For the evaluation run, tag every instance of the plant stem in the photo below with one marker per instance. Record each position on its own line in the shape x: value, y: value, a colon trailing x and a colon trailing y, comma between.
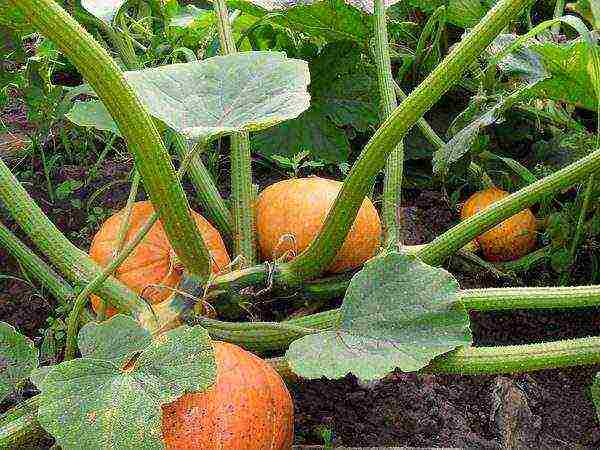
x: 503, y: 359
x: 151, y: 157
x: 36, y: 267
x: 314, y: 260
x: 258, y: 338
x: 75, y: 264
x: 207, y: 192
x: 459, y: 235
x: 84, y: 295
x: 429, y: 133
x: 582, y: 215
x: 241, y: 170
x: 122, y: 233
x: 392, y: 184
x: 19, y: 426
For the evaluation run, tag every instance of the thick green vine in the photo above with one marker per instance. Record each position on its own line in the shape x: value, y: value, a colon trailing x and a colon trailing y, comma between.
x: 323, y: 249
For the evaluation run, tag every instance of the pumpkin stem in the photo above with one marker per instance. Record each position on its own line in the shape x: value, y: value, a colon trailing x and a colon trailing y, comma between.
x: 144, y: 142
x: 323, y: 249
x: 392, y: 184
x: 242, y: 192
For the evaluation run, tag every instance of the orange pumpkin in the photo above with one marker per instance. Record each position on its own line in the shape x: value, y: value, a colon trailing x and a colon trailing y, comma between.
x: 248, y: 408
x: 290, y: 213
x: 509, y: 240
x: 151, y: 264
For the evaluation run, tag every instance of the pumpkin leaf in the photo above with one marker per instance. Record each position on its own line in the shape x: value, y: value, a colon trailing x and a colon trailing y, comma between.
x: 462, y: 13
x: 397, y: 313
x: 343, y: 93
x: 115, y: 339
x: 98, y: 403
x: 38, y: 375
x: 188, y: 15
x: 332, y: 20
x: 105, y: 10
x: 92, y: 114
x: 18, y: 357
x: 312, y: 131
x: 241, y: 92
x: 564, y: 67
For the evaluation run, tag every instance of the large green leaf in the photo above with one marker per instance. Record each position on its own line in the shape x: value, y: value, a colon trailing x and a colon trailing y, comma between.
x: 13, y: 18
x: 98, y: 403
x: 93, y: 114
x: 343, y: 93
x: 332, y: 20
x: 242, y: 92
x: 312, y: 131
x: 115, y: 339
x: 569, y: 80
x: 18, y: 357
x: 245, y: 91
x: 398, y: 313
x: 462, y: 13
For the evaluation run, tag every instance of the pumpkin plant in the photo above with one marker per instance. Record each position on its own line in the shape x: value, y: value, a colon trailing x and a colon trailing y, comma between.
x: 137, y: 385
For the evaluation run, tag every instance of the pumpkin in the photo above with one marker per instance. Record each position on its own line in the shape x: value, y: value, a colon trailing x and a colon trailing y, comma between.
x: 248, y: 408
x: 151, y: 264
x: 290, y: 214
x: 509, y: 240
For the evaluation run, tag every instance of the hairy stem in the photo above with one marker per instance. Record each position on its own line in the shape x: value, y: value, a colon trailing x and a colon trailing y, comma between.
x: 75, y: 264
x: 458, y: 236
x: 36, y: 267
x: 151, y: 157
x: 392, y: 185
x: 207, y: 192
x: 582, y: 215
x: 242, y: 195
x: 314, y: 260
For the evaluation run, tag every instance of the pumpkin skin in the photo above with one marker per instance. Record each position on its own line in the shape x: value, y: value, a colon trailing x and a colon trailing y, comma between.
x: 151, y: 263
x: 298, y: 207
x: 509, y: 240
x: 248, y: 408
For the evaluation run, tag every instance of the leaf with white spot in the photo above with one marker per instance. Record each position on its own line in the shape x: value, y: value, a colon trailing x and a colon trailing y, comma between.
x: 18, y: 357
x: 94, y: 403
x: 241, y: 92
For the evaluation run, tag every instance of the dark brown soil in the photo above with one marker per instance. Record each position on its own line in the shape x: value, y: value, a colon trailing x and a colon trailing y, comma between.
x: 403, y: 409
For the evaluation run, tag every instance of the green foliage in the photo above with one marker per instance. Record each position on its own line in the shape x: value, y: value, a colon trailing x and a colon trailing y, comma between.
x: 462, y: 13
x: 112, y: 396
x: 343, y: 94
x: 93, y: 114
x: 397, y: 313
x: 331, y: 20
x: 18, y: 357
x: 220, y: 95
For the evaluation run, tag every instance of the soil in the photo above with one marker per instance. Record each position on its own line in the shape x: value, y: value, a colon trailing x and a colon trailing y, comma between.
x: 404, y: 409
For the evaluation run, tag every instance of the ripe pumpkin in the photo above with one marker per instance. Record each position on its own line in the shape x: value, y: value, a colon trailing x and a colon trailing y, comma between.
x: 152, y: 261
x: 290, y: 213
x: 248, y: 408
x: 509, y: 240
